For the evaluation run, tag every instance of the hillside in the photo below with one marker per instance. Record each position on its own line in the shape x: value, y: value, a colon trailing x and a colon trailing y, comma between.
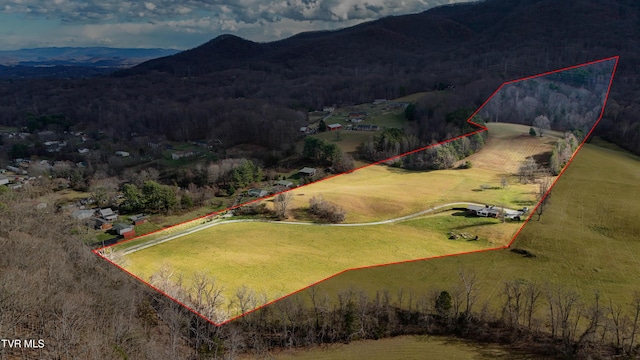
x: 471, y: 48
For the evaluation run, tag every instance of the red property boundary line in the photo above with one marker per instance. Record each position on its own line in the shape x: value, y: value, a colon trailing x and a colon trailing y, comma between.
x: 481, y: 129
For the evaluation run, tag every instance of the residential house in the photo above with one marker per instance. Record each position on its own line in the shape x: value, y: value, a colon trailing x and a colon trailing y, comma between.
x: 122, y: 153
x: 484, y: 211
x: 182, y: 154
x: 4, y: 180
x: 107, y: 214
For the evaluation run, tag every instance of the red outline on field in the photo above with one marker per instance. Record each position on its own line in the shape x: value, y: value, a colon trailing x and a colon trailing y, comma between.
x: 481, y: 129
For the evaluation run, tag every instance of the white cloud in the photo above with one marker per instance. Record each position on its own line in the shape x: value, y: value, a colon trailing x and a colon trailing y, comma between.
x: 186, y: 23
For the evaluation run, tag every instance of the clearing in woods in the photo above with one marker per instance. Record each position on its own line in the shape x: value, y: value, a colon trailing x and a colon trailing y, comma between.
x: 275, y: 259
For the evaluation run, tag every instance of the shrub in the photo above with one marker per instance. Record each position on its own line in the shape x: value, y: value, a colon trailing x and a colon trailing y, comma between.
x: 252, y: 209
x: 326, y: 211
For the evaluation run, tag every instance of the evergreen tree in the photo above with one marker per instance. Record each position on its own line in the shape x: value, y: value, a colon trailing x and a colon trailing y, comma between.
x: 322, y: 126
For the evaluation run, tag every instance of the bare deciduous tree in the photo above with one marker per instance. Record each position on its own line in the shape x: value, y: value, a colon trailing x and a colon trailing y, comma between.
x: 281, y: 204
x: 543, y: 194
x: 542, y: 123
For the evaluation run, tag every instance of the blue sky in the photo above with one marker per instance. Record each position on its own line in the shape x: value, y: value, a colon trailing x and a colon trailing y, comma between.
x: 181, y: 24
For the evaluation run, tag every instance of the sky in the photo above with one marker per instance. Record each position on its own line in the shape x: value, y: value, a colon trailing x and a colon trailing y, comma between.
x: 181, y: 24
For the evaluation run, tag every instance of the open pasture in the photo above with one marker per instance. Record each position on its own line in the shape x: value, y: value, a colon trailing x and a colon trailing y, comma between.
x: 276, y: 259
x: 381, y: 192
x: 588, y: 240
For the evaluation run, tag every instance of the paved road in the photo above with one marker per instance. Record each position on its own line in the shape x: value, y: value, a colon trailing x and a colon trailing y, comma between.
x: 217, y: 222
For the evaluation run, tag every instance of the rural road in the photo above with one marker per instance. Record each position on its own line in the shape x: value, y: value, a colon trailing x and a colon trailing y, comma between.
x: 223, y: 222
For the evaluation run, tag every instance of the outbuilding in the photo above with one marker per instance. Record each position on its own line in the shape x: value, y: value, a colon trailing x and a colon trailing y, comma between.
x: 284, y: 183
x: 138, y: 219
x: 307, y: 171
x: 257, y: 193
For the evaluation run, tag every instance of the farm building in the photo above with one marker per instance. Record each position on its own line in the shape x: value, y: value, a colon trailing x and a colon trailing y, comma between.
x: 122, y: 153
x: 284, y: 183
x: 307, y: 171
x: 334, y: 127
x: 102, y: 224
x: 125, y: 230
x: 138, y: 219
x: 359, y: 114
x: 257, y: 193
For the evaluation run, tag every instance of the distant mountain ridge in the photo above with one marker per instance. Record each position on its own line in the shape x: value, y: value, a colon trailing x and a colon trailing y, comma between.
x: 81, y: 56
x: 469, y: 47
x: 455, y: 32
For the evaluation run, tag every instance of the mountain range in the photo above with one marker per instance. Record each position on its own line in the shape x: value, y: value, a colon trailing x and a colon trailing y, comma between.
x: 81, y: 56
x: 473, y: 46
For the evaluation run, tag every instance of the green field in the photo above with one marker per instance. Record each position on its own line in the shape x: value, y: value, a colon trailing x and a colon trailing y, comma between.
x: 381, y: 192
x: 403, y: 347
x: 588, y: 240
x: 276, y: 259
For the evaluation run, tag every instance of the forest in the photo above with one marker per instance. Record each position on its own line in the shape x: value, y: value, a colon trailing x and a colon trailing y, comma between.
x: 240, y: 92
x: 260, y: 93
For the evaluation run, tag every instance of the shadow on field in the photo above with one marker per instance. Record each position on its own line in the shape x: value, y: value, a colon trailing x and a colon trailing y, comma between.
x: 489, y: 351
x: 484, y: 223
x: 462, y: 213
x: 524, y: 202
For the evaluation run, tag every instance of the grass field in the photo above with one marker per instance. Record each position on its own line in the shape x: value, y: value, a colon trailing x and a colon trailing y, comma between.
x: 403, y: 347
x: 277, y: 259
x: 381, y: 192
x: 299, y: 255
x: 588, y: 240
x: 347, y: 140
x: 499, y: 153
